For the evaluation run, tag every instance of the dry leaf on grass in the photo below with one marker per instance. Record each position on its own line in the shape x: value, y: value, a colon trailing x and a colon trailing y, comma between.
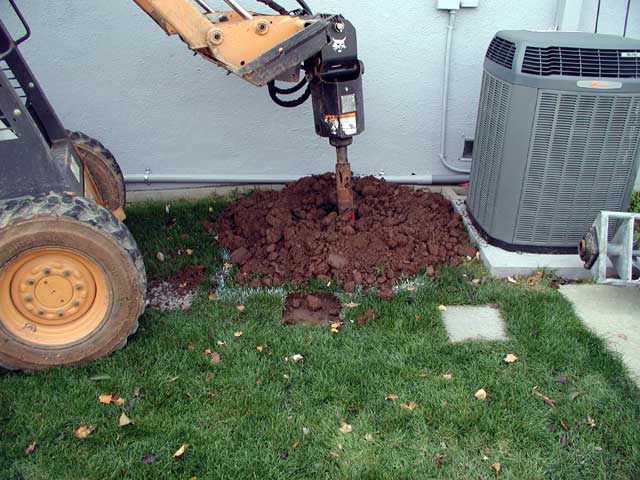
x: 510, y: 358
x: 220, y: 343
x: 447, y: 376
x: 345, y: 427
x: 535, y: 279
x: 336, y: 326
x: 123, y: 421
x: 295, y: 358
x: 180, y: 452
x: 295, y: 444
x: 334, y: 454
x: 111, y: 398
x: 549, y: 401
x: 227, y: 266
x: 564, y: 440
x: 160, y: 257
x: 238, y: 334
x: 213, y: 297
x: 496, y: 467
x: 439, y: 459
x: 391, y: 398
x: 481, y: 394
x: 241, y: 308
x: 31, y: 448
x: 260, y: 348
x: 215, y: 358
x: 512, y: 280
x: 411, y: 406
x: 590, y: 421
x: 84, y: 431
x: 442, y: 308
x: 352, y: 305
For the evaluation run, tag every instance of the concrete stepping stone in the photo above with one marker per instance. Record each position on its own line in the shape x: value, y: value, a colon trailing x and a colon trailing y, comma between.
x: 465, y: 323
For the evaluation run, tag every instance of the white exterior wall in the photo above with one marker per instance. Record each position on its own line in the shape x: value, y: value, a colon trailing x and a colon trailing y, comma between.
x: 111, y: 72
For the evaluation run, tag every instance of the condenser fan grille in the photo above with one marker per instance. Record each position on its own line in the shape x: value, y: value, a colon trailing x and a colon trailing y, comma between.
x: 581, y: 62
x: 502, y: 51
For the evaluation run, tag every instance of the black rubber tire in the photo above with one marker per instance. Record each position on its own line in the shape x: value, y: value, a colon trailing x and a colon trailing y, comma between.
x: 74, y: 223
x: 103, y: 168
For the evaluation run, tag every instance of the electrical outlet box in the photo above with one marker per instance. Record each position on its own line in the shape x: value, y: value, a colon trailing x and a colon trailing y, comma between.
x: 448, y: 4
x: 469, y: 3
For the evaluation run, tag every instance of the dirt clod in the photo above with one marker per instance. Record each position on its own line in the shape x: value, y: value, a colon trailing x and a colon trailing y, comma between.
x: 319, y: 309
x: 295, y: 235
x: 368, y: 316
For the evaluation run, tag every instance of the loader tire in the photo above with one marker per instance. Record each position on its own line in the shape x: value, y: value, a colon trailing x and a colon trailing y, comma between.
x: 103, y: 169
x: 72, y: 282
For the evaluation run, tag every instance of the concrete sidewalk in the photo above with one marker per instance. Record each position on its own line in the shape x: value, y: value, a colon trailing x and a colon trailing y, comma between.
x: 614, y: 314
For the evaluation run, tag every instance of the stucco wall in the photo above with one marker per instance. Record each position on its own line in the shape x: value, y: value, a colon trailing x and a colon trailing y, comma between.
x: 111, y: 72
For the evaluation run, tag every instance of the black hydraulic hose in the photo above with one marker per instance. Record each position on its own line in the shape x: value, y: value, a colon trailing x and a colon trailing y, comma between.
x: 288, y: 103
x: 274, y: 6
x: 305, y: 7
x: 289, y: 91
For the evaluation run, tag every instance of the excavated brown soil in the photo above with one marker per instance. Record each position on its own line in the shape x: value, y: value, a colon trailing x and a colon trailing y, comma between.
x: 296, y: 234
x: 318, y: 309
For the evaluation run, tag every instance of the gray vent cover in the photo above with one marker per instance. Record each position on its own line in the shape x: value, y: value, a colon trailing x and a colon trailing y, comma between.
x: 552, y: 150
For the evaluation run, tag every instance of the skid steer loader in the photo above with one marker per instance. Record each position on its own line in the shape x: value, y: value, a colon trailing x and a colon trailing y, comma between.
x: 72, y: 279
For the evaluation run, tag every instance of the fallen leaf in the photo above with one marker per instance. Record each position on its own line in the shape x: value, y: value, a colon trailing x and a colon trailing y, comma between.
x: 305, y: 431
x: 149, y: 458
x: 476, y: 281
x: 336, y: 326
x: 590, y: 421
x: 443, y: 445
x: 496, y: 467
x: 180, y: 452
x: 190, y: 347
x: 598, y: 449
x: 260, y: 348
x: 512, y: 280
x: 295, y: 358
x: 334, y: 454
x: 31, y: 448
x: 564, y: 440
x: 545, y: 399
x: 564, y: 426
x: 442, y: 308
x: 183, y: 285
x: 439, y: 459
x: 345, y: 427
x: 535, y: 279
x: 160, y: 257
x: 411, y: 406
x: 352, y: 305
x: 447, y: 376
x: 136, y: 392
x: 481, y: 394
x: 575, y: 395
x: 123, y: 421
x: 213, y: 297
x: 241, y: 308
x: 510, y: 358
x: 238, y: 334
x: 391, y: 398
x: 188, y: 251
x: 228, y: 266
x: 220, y: 343
x: 368, y: 437
x: 84, y: 431
x: 295, y: 444
x: 215, y: 358
x: 211, y: 394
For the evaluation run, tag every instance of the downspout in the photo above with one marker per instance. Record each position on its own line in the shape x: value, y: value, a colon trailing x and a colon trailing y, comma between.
x: 445, y: 97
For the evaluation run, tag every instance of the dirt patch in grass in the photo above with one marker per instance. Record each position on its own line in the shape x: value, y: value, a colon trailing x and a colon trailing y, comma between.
x: 296, y: 235
x: 316, y: 309
x: 178, y: 291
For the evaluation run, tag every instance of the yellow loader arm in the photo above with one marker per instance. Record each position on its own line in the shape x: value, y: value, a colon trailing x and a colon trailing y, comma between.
x: 264, y: 48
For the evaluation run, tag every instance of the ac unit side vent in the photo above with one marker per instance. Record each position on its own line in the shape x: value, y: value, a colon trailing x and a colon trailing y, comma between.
x: 581, y: 62
x: 580, y: 159
x: 488, y: 147
x: 502, y: 51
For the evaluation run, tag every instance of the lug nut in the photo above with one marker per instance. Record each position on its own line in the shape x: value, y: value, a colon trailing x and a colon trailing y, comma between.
x: 40, y: 312
x: 76, y: 303
x: 47, y: 271
x: 60, y: 313
x: 79, y: 286
x: 66, y: 273
x: 31, y: 282
x: 28, y: 298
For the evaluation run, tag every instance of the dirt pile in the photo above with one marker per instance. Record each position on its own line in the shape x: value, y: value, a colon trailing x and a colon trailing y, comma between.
x: 296, y: 234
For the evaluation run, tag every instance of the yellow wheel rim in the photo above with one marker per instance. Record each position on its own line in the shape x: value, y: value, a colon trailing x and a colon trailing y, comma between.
x: 53, y: 297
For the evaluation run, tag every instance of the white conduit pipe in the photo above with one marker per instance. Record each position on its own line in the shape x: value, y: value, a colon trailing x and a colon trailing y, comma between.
x: 149, y: 178
x: 445, y: 97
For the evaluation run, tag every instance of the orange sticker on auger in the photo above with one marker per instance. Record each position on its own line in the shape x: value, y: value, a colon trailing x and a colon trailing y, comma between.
x: 348, y: 123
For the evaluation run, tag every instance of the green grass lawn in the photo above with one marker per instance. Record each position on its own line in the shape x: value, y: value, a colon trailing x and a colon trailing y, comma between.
x: 254, y: 415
